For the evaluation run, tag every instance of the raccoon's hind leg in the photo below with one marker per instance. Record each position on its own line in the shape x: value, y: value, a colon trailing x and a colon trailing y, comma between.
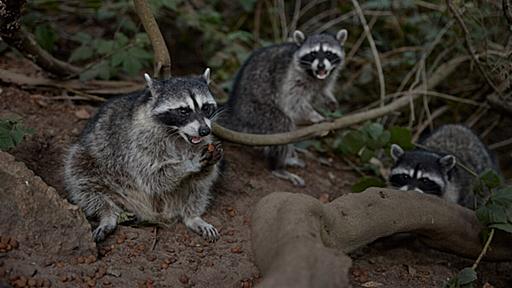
x: 293, y: 159
x: 278, y: 157
x: 86, y: 188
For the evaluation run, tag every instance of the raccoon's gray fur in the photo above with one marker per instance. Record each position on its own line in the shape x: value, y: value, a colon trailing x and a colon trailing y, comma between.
x: 433, y: 170
x: 148, y: 154
x: 277, y: 88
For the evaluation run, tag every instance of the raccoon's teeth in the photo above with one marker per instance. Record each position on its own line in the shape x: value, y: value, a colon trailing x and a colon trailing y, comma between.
x: 321, y: 74
x: 195, y: 139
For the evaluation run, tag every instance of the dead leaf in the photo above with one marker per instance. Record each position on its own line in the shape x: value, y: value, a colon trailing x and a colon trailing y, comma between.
x: 371, y: 284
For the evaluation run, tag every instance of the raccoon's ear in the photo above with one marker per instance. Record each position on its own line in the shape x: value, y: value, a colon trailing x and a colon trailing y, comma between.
x: 149, y: 81
x: 298, y: 37
x: 341, y: 36
x: 206, y: 75
x: 448, y: 162
x: 396, y: 152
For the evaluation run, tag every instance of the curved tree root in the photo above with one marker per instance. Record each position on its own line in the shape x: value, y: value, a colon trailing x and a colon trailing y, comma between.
x: 298, y: 241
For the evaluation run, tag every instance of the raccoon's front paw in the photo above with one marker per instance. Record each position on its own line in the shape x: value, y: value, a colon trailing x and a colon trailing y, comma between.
x: 203, y: 228
x: 101, y: 232
x: 316, y: 118
x: 212, y: 154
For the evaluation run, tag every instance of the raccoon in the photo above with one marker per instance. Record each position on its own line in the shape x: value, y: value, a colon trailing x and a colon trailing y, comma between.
x: 277, y: 88
x: 434, y: 171
x: 150, y: 153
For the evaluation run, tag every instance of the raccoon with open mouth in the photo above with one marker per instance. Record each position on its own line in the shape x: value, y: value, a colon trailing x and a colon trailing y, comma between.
x: 151, y: 154
x: 278, y: 87
x: 433, y: 170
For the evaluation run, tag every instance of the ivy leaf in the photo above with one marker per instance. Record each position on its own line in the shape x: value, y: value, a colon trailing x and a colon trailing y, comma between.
x: 367, y: 154
x: 401, y: 136
x: 367, y: 182
x: 248, y: 5
x: 490, y: 178
x: 466, y: 276
x: 81, y: 53
x: 104, y: 47
x: 82, y: 37
x: 354, y: 141
x: 45, y: 37
x: 507, y: 227
x: 374, y: 130
x: 503, y: 197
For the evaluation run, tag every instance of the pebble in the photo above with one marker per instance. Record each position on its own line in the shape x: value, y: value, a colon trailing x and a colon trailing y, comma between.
x: 236, y: 250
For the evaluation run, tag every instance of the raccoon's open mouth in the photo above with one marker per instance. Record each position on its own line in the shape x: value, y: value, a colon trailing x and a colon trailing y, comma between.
x: 194, y: 139
x: 321, y: 73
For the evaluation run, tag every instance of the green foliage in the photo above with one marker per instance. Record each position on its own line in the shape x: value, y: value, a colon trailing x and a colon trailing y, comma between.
x: 495, y: 214
x: 367, y: 143
x: 497, y: 211
x: 12, y: 132
x: 464, y: 279
x: 120, y: 55
x: 367, y: 182
x: 46, y: 37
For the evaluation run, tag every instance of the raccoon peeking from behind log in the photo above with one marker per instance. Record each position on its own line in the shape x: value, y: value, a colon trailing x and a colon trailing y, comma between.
x: 434, y: 170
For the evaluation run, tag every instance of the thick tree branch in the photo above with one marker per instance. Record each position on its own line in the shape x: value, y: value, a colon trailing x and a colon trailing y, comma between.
x: 437, y: 77
x: 15, y: 36
x: 297, y: 240
x: 162, y: 56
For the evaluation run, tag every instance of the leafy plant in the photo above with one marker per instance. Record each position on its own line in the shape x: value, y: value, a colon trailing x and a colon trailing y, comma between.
x: 369, y: 142
x: 494, y: 214
x: 12, y: 132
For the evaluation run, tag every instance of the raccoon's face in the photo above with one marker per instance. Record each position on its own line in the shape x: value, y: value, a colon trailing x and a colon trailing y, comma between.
x: 421, y: 171
x: 320, y: 54
x: 185, y: 105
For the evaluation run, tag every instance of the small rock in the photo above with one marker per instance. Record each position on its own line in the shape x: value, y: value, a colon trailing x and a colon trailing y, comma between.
x: 151, y: 258
x: 184, y: 279
x: 112, y: 272
x: 82, y: 114
x: 324, y: 198
x: 370, y: 284
x: 236, y: 250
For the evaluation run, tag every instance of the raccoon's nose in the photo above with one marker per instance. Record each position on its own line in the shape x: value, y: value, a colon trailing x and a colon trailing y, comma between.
x: 320, y: 66
x: 203, y: 131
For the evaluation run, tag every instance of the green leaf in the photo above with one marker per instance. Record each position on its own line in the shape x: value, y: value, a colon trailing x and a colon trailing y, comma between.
x: 503, y: 197
x: 248, y: 5
x: 482, y: 214
x: 497, y: 214
x: 467, y: 276
x: 45, y: 37
x: 374, y: 130
x: 367, y: 182
x: 82, y: 37
x: 490, y: 178
x: 104, y: 47
x: 354, y: 141
x: 81, y: 53
x: 401, y: 136
x: 5, y: 142
x: 507, y: 227
x: 132, y: 65
x: 367, y: 154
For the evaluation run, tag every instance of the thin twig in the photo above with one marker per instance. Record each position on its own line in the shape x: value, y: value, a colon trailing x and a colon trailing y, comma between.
x: 501, y: 144
x: 155, y: 238
x: 359, y: 41
x: 469, y: 45
x: 296, y: 16
x: 440, y: 111
x: 484, y: 250
x: 373, y: 47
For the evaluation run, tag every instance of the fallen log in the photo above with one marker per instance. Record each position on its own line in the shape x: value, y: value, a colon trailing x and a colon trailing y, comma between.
x: 297, y: 240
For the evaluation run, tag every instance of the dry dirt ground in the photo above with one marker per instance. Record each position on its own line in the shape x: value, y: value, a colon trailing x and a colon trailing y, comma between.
x: 175, y: 257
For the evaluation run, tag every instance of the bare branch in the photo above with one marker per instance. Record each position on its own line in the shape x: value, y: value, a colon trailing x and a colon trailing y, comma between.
x: 375, y: 52
x: 15, y: 36
x: 162, y: 56
x: 307, y: 132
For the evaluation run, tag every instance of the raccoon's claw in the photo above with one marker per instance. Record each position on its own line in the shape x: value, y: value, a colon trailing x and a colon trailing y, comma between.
x: 101, y: 232
x: 107, y: 226
x: 203, y: 228
x: 295, y: 179
x: 212, y: 155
